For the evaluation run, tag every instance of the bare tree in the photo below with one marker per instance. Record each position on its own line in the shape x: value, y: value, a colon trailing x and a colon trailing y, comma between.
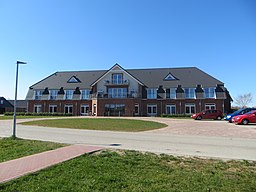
x: 243, y: 100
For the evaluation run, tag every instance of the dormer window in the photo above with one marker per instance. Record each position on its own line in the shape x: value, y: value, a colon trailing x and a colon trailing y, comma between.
x: 38, y: 94
x: 117, y: 78
x: 151, y: 93
x: 69, y: 94
x: 74, y: 79
x: 209, y: 92
x: 190, y: 93
x: 169, y: 77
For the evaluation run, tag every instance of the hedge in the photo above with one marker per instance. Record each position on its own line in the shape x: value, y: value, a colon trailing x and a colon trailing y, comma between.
x: 37, y: 114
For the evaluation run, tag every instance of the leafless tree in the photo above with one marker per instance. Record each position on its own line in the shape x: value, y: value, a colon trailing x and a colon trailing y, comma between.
x: 243, y: 100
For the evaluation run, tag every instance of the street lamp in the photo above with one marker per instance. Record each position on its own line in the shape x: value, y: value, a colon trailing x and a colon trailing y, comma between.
x: 15, y: 100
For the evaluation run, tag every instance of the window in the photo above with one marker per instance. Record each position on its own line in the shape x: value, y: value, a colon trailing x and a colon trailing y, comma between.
x: 169, y: 77
x: 2, y: 102
x: 190, y: 93
x: 53, y: 94
x: 117, y: 92
x: 210, y: 106
x: 68, y: 109
x: 114, y: 109
x: 170, y: 109
x: 171, y: 93
x: 85, y: 94
x: 74, y: 80
x: 152, y: 110
x: 69, y: 94
x: 151, y: 93
x: 38, y: 94
x: 190, y: 108
x: 52, y: 108
x: 209, y: 92
x: 117, y: 78
x: 37, y: 108
x: 84, y: 109
x: 136, y: 109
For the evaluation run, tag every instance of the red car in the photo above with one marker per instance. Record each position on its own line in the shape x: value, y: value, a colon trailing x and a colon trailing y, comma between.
x: 208, y: 114
x: 246, y: 118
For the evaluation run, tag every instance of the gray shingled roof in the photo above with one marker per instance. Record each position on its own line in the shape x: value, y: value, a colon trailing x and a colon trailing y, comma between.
x: 187, y: 77
x: 60, y: 79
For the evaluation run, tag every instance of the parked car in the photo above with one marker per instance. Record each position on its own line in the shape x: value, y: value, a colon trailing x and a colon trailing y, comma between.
x: 244, y: 119
x: 208, y: 114
x: 238, y: 112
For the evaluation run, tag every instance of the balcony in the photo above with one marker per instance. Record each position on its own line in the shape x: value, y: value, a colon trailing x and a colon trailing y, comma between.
x: 116, y: 83
x: 108, y: 96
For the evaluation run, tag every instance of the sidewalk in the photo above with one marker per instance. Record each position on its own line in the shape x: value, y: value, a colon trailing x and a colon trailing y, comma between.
x: 16, y: 168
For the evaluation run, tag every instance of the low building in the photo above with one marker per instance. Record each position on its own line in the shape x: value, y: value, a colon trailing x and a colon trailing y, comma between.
x: 129, y: 92
x: 5, y: 106
x: 21, y: 105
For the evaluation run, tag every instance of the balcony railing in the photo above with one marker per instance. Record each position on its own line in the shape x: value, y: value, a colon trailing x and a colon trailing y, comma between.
x: 109, y: 96
x: 111, y: 82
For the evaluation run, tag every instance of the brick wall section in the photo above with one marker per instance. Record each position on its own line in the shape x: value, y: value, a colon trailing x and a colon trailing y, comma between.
x: 129, y: 105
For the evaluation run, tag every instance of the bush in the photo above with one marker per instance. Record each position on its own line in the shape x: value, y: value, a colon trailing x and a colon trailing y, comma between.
x: 37, y: 114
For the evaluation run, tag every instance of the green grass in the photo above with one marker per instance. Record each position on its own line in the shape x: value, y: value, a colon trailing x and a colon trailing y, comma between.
x: 109, y: 124
x: 25, y: 117
x: 132, y: 171
x: 16, y: 148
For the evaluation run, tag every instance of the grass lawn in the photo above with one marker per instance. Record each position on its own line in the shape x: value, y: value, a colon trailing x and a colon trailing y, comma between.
x: 134, y: 171
x: 25, y: 117
x: 110, y: 124
x: 16, y: 148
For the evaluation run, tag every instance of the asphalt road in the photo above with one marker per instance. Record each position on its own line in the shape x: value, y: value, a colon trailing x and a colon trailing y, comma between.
x: 161, y: 141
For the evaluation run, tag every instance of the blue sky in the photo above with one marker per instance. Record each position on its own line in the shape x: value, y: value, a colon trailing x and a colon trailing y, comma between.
x: 217, y: 36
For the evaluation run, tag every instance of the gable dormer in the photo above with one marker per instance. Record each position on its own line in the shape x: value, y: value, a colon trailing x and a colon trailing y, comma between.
x: 74, y: 79
x: 170, y: 77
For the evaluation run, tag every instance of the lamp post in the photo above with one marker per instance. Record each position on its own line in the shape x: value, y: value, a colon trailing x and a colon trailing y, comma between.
x: 15, y: 100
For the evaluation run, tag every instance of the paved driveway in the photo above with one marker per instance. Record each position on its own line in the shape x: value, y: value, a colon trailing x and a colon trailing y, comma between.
x: 217, y: 139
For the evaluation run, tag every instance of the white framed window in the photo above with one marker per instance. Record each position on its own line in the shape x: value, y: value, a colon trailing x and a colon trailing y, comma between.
x: 52, y: 108
x: 37, y: 108
x: 151, y: 93
x: 152, y: 109
x: 117, y: 78
x: 209, y: 92
x: 190, y: 108
x: 85, y: 94
x: 69, y: 94
x: 190, y: 93
x: 2, y: 102
x: 38, y: 94
x: 210, y: 106
x: 85, y: 109
x: 68, y: 109
x: 117, y: 92
x: 172, y: 93
x: 170, y: 109
x: 53, y: 94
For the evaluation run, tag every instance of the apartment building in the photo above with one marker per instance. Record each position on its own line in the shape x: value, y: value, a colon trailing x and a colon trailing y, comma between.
x: 129, y: 92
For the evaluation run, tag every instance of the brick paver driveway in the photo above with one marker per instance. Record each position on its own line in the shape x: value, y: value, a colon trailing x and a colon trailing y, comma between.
x: 205, y: 128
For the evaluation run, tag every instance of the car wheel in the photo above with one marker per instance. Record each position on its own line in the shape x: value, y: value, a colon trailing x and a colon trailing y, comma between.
x: 199, y: 118
x: 219, y: 118
x: 245, y: 122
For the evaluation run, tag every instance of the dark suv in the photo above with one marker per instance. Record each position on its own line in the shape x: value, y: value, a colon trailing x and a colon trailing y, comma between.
x: 208, y: 114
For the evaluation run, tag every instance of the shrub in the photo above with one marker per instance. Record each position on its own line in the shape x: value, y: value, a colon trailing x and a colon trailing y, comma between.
x: 36, y: 114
